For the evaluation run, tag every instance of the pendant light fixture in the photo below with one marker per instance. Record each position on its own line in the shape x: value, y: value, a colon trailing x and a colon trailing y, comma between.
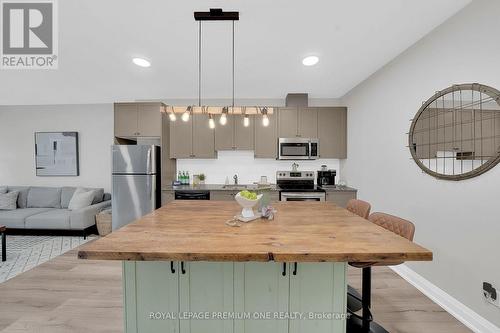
x: 265, y: 118
x: 223, y: 116
x: 187, y: 113
x: 215, y: 14
x: 171, y: 113
x: 211, y: 122
x: 246, y: 120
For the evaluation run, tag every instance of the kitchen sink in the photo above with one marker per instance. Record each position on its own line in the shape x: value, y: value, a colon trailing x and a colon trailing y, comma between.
x: 234, y: 187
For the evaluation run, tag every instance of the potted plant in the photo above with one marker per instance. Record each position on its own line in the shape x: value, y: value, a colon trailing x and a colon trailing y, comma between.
x: 201, y: 176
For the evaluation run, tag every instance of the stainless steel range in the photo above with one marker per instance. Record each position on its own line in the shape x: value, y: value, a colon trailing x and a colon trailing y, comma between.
x: 298, y: 186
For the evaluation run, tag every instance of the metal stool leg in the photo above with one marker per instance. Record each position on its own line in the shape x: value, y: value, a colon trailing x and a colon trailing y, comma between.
x: 4, y: 246
x: 365, y: 323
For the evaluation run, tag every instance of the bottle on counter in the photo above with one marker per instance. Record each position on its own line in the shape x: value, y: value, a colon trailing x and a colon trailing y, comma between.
x: 179, y: 177
x: 188, y: 181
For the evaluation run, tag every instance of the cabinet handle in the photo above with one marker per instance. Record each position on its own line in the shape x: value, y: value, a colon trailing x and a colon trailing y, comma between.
x: 294, y: 269
x: 183, y: 271
x: 172, y: 269
x: 284, y: 269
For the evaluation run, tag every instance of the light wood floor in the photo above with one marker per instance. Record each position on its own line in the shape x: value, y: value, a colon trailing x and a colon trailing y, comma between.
x: 71, y: 295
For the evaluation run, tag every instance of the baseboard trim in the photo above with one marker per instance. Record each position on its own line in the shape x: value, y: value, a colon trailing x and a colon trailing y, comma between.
x: 451, y: 305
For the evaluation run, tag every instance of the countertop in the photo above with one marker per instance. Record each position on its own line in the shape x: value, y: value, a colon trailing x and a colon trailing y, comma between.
x: 251, y: 187
x: 300, y: 232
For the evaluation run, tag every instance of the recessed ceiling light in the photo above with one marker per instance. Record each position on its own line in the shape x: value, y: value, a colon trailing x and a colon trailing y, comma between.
x: 141, y: 62
x: 310, y: 61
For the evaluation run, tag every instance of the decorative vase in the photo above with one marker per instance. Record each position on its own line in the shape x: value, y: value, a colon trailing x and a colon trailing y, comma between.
x: 247, y: 205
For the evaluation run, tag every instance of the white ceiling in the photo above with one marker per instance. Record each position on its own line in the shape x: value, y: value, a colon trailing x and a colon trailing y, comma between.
x: 97, y: 40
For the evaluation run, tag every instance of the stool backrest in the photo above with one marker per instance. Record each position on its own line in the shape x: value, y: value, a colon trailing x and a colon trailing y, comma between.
x: 395, y: 224
x: 359, y: 207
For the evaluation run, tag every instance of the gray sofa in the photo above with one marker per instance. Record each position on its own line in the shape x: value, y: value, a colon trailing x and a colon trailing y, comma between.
x: 46, y: 208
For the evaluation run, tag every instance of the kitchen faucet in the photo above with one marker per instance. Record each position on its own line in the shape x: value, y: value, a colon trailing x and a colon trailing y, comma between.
x: 235, y: 177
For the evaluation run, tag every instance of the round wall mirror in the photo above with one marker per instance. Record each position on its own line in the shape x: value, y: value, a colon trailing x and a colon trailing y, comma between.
x: 456, y: 133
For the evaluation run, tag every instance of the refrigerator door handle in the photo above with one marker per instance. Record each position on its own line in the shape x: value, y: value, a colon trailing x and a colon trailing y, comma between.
x: 152, y: 196
x: 148, y: 162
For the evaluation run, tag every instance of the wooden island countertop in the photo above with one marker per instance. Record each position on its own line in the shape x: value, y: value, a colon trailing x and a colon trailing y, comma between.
x: 300, y: 232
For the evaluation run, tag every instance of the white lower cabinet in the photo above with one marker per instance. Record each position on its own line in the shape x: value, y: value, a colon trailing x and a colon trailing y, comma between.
x: 260, y: 289
x: 151, y: 292
x: 318, y: 290
x: 206, y: 288
x: 164, y: 297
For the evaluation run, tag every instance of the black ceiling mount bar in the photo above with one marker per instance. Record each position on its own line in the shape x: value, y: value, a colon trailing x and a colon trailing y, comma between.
x: 216, y: 14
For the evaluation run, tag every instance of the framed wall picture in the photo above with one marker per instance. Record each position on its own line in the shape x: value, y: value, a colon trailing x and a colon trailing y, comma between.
x: 56, y: 154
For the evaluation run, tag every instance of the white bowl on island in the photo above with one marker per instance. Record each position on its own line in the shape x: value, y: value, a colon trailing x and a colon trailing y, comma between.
x: 247, y: 205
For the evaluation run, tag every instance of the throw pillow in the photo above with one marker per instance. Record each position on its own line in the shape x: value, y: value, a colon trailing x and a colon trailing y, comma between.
x: 81, y: 199
x: 8, y: 201
x: 3, y: 189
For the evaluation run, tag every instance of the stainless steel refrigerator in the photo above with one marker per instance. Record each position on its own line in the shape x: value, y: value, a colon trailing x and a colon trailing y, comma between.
x: 136, y: 182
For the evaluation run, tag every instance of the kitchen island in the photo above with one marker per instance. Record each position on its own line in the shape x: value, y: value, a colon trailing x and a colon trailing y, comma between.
x: 186, y: 270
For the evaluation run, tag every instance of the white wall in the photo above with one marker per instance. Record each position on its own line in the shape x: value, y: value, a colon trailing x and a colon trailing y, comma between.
x: 94, y: 124
x: 458, y: 221
x: 248, y: 168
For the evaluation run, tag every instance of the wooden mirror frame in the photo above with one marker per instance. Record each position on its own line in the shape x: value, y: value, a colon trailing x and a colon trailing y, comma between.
x: 491, y: 92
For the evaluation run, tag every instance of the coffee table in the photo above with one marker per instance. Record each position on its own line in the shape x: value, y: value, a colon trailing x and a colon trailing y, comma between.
x: 3, y: 230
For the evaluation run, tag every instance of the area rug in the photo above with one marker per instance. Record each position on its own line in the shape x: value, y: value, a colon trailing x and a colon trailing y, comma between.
x: 26, y: 252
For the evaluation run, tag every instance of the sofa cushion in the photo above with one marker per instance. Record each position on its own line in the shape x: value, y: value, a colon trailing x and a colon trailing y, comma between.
x: 3, y: 189
x: 81, y: 199
x: 44, y: 197
x: 22, y: 199
x: 8, y: 201
x: 15, y: 218
x: 67, y: 194
x: 52, y: 219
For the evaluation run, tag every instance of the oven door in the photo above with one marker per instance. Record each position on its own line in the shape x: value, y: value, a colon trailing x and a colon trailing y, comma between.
x: 302, y: 196
x: 294, y: 149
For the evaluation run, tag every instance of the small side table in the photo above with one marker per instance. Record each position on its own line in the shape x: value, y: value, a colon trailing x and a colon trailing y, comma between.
x: 3, y: 230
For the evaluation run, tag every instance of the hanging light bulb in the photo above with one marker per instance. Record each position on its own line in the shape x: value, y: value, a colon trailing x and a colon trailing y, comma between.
x: 265, y: 118
x: 172, y: 115
x: 186, y: 114
x: 246, y: 121
x: 211, y: 122
x: 223, y: 117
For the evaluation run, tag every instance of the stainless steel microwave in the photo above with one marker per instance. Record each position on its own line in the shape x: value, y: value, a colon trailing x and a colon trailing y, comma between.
x: 298, y: 149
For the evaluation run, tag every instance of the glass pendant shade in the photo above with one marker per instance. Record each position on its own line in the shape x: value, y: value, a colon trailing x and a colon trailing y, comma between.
x: 265, y: 120
x: 211, y: 122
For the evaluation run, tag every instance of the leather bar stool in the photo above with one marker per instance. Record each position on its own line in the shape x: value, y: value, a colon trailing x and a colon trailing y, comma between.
x: 359, y: 207
x: 365, y: 323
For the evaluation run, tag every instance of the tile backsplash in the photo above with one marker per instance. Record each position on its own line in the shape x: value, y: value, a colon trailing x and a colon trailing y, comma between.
x: 248, y: 168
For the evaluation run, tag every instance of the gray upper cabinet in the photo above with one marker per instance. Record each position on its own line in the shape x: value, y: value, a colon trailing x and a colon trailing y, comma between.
x: 234, y: 135
x: 308, y: 123
x: 138, y: 119
x: 149, y: 119
x: 288, y: 122
x: 266, y: 138
x: 224, y: 135
x: 298, y: 122
x: 244, y: 136
x: 332, y: 132
x: 192, y: 138
x: 181, y: 138
x: 125, y: 119
x: 203, y: 137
